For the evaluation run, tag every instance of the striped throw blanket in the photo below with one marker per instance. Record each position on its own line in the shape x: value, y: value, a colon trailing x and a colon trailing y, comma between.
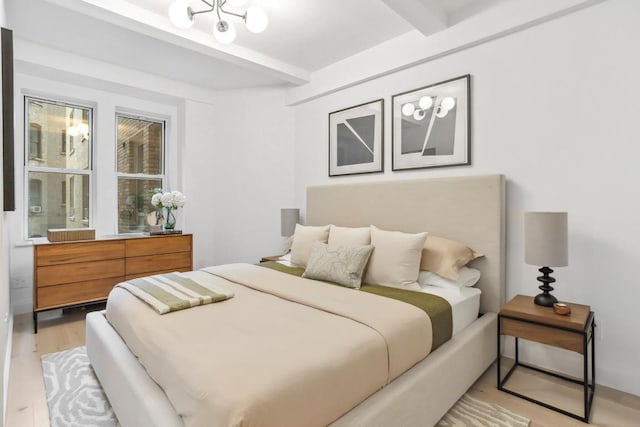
x: 173, y: 291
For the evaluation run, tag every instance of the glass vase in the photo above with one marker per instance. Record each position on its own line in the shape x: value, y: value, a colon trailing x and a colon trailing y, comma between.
x: 170, y: 220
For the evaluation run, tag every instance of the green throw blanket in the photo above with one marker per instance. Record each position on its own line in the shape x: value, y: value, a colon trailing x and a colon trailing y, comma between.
x: 173, y: 291
x: 437, y: 308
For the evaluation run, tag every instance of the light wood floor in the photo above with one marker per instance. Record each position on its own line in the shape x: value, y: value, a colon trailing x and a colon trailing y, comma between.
x: 26, y: 406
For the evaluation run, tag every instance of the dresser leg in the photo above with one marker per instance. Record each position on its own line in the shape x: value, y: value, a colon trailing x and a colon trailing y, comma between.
x: 35, y: 322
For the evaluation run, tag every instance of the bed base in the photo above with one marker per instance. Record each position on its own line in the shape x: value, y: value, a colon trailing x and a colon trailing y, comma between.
x: 420, y: 396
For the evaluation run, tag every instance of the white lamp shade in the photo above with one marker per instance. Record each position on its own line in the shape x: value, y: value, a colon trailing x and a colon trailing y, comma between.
x: 545, y: 239
x: 448, y: 103
x: 227, y: 36
x: 425, y: 102
x: 179, y: 14
x: 418, y: 114
x: 257, y: 19
x: 408, y: 109
x: 288, y: 220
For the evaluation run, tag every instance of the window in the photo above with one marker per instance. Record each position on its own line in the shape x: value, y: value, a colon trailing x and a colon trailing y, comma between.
x: 57, y: 180
x: 35, y: 141
x: 140, y: 158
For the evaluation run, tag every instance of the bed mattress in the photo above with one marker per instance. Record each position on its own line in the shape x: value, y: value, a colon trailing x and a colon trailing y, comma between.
x: 465, y: 304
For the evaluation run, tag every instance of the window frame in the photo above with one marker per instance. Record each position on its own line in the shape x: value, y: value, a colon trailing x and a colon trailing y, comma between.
x: 163, y: 176
x: 89, y: 172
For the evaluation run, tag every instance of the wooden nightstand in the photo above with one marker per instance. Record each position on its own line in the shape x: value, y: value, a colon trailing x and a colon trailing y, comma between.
x: 521, y: 318
x: 270, y: 258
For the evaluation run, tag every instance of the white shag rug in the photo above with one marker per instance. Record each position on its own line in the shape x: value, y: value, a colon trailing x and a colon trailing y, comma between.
x: 76, y: 399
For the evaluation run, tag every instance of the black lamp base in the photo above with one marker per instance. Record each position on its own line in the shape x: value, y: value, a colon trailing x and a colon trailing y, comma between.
x: 545, y: 299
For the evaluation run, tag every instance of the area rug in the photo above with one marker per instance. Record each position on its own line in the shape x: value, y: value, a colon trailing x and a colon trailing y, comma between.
x: 469, y: 411
x: 74, y: 395
x: 76, y: 399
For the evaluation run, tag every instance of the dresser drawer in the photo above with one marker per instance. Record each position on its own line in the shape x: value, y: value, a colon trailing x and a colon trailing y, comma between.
x: 154, y: 263
x: 153, y: 273
x: 75, y: 293
x: 78, y: 272
x: 543, y: 334
x: 158, y: 245
x: 64, y: 253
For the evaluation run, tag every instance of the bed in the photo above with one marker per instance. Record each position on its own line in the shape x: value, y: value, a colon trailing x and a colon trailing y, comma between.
x: 469, y: 209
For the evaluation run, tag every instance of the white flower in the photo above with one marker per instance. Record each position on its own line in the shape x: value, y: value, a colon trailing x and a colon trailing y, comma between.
x: 167, y: 200
x: 178, y: 199
x: 155, y: 200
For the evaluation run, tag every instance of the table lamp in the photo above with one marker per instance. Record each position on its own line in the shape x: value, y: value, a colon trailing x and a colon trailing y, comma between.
x: 545, y: 244
x: 288, y: 220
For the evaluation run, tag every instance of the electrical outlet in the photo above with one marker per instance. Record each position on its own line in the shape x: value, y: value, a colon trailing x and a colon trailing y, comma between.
x: 18, y: 282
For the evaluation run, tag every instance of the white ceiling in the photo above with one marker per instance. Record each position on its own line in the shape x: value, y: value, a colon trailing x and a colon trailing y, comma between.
x: 303, y: 35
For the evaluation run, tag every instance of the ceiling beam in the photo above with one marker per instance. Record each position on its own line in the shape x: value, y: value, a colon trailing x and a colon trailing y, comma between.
x: 427, y: 16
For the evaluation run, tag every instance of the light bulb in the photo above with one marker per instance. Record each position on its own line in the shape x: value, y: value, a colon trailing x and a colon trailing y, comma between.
x: 418, y: 114
x: 425, y: 102
x: 83, y: 128
x: 224, y: 32
x: 73, y: 131
x: 408, y: 109
x: 180, y: 14
x: 256, y: 20
x: 237, y: 3
x: 442, y: 112
x: 448, y: 103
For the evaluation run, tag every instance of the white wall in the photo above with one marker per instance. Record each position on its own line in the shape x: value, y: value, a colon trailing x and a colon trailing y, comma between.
x: 554, y: 109
x: 239, y: 169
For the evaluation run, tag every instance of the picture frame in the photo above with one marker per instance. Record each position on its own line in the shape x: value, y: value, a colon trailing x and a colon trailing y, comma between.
x: 356, y: 139
x: 431, y: 126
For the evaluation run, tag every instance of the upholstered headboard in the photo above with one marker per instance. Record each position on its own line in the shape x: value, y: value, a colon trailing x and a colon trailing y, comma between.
x: 468, y: 209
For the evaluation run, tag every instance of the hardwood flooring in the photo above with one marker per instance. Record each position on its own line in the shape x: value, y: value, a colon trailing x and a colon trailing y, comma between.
x: 27, y: 407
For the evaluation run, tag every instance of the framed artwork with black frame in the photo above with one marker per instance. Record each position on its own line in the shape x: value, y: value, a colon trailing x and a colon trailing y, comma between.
x: 356, y: 139
x: 431, y: 126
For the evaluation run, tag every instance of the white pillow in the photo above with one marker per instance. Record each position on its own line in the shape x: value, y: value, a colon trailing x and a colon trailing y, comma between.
x: 395, y: 260
x: 468, y: 277
x: 348, y: 236
x: 303, y: 239
x: 342, y: 265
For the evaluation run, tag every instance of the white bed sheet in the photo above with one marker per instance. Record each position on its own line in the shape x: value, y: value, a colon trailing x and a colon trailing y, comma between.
x: 465, y: 304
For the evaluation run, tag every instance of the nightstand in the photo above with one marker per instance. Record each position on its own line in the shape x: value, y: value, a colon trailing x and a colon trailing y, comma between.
x: 270, y: 258
x: 522, y: 319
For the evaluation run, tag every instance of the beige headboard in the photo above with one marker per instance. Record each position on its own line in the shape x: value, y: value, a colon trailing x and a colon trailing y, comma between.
x: 468, y: 209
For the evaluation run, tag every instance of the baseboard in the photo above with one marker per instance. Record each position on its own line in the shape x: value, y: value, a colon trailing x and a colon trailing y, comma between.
x: 7, y: 366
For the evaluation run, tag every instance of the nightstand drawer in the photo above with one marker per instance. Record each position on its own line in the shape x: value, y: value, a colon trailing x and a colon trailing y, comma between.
x: 543, y: 334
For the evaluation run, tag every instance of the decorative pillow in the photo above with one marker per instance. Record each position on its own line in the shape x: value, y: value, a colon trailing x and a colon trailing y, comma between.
x: 342, y: 265
x: 467, y: 278
x: 395, y: 260
x: 303, y: 239
x: 347, y: 236
x: 445, y: 257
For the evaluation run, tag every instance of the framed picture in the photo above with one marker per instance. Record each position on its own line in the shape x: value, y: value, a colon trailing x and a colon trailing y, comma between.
x: 431, y: 126
x: 355, y: 139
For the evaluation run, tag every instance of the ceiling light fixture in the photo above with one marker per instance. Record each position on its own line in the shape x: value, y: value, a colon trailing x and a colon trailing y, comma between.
x: 255, y: 18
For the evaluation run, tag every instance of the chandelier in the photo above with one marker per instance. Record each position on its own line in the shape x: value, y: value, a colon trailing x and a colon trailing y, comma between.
x: 183, y: 16
x: 425, y: 103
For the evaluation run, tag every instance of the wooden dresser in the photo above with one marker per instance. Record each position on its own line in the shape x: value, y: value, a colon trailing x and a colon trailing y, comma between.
x: 77, y: 273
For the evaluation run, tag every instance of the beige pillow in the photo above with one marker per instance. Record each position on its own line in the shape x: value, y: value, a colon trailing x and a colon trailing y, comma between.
x: 347, y: 236
x: 303, y: 239
x: 395, y: 260
x: 445, y: 257
x: 343, y: 265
